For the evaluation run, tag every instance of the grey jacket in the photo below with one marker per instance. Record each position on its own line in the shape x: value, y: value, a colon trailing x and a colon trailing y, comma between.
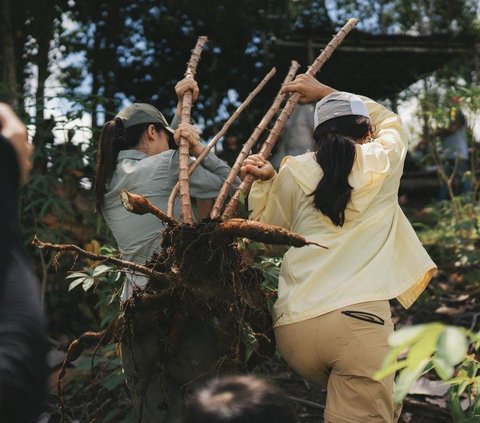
x: 153, y: 177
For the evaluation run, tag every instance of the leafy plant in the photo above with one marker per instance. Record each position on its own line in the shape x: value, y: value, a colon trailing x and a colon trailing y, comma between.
x: 105, y: 281
x: 441, y: 349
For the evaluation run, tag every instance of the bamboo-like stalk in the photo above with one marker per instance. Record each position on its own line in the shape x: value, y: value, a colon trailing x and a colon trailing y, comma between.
x: 222, y: 195
x: 138, y: 204
x: 285, y: 114
x: 100, y: 257
x: 220, y: 134
x: 184, y: 149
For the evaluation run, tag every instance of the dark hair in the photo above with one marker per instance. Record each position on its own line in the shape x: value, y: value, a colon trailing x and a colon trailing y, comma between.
x: 239, y: 399
x: 335, y: 153
x: 114, y: 138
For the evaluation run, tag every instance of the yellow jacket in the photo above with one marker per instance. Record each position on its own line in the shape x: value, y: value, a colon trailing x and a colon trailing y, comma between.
x: 375, y: 255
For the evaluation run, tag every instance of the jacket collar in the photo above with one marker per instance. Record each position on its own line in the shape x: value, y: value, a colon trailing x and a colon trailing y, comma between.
x: 131, y: 155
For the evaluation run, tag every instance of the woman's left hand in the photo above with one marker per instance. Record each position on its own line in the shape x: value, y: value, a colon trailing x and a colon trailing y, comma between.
x: 257, y: 166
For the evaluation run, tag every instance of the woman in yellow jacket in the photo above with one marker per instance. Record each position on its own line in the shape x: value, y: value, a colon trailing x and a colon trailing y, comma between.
x: 332, y: 317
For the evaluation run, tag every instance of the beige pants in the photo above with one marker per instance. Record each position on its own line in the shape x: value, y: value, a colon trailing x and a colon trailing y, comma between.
x: 341, y: 351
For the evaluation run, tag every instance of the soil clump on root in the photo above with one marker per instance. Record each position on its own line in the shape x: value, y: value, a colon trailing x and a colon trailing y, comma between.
x: 210, y: 282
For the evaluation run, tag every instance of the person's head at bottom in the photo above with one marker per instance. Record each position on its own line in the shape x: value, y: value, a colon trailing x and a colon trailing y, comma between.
x: 238, y: 399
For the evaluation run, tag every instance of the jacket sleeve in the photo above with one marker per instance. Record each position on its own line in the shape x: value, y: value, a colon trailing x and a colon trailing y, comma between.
x: 208, y: 178
x: 390, y: 142
x: 273, y: 201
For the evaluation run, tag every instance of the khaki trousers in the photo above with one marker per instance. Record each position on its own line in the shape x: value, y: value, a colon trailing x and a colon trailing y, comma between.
x: 341, y: 351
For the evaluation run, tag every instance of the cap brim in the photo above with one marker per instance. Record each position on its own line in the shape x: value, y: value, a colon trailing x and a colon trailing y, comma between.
x: 172, y: 131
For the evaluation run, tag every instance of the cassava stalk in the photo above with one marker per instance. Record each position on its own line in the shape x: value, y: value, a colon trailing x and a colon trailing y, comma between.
x: 63, y: 248
x: 183, y: 149
x: 138, y: 204
x: 285, y: 114
x: 251, y: 142
x: 220, y: 134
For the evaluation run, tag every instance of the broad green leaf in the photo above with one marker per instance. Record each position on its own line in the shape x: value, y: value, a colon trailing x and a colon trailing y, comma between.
x: 406, y: 379
x: 425, y: 346
x: 391, y: 357
x: 405, y: 335
x: 88, y: 283
x: 102, y: 268
x: 443, y: 368
x: 392, y: 368
x: 452, y: 346
x: 77, y: 275
x: 75, y: 283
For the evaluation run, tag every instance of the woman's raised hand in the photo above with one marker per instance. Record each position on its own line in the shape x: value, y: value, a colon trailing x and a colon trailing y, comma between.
x: 185, y: 85
x: 309, y: 88
x: 257, y: 166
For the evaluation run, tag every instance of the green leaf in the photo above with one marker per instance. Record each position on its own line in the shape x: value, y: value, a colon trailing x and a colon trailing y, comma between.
x: 406, y: 379
x: 392, y: 355
x: 77, y: 275
x: 405, y: 336
x: 455, y: 407
x: 88, y: 283
x: 75, y: 283
x: 443, y: 368
x: 424, y: 346
x: 452, y: 346
x: 102, y: 268
x: 392, y: 368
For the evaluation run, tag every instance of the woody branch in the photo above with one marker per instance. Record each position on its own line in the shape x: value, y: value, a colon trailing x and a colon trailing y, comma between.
x: 183, y: 150
x: 252, y: 140
x: 220, y: 134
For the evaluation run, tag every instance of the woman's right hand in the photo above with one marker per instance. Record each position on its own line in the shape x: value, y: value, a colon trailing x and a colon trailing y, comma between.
x: 189, y: 132
x: 309, y: 88
x: 257, y: 166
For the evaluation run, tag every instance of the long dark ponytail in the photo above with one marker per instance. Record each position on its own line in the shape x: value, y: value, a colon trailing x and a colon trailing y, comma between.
x: 335, y: 153
x: 114, y: 138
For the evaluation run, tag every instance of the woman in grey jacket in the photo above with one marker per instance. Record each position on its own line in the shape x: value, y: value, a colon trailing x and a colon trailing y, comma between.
x: 137, y: 152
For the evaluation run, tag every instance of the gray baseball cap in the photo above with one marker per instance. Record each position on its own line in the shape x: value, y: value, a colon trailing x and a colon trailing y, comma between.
x: 139, y: 113
x: 338, y: 104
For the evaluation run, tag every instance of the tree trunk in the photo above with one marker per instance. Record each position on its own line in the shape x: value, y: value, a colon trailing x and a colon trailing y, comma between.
x: 43, y: 40
x: 9, y: 84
